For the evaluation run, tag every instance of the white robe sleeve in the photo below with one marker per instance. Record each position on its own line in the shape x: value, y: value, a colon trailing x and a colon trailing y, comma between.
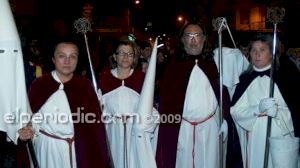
x: 244, y: 114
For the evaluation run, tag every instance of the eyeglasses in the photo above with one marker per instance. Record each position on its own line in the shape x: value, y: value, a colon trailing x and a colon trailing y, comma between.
x: 123, y: 54
x: 190, y: 36
x: 64, y: 57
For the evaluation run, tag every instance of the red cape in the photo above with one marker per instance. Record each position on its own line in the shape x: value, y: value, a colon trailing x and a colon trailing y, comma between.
x: 108, y: 82
x: 90, y: 139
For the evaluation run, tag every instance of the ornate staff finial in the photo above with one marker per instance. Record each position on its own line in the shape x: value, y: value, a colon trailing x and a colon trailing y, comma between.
x: 219, y: 23
x: 275, y: 14
x: 82, y: 25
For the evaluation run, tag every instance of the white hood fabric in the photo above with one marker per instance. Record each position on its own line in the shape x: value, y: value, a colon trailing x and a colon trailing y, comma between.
x: 145, y: 106
x: 234, y: 63
x: 8, y: 29
x: 13, y: 96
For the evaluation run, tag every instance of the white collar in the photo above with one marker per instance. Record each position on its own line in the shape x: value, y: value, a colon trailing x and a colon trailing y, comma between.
x: 114, y: 72
x: 56, y: 78
x: 262, y: 69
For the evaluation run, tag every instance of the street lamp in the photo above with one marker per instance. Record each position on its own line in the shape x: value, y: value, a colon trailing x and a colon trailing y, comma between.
x: 137, y: 2
x: 180, y: 18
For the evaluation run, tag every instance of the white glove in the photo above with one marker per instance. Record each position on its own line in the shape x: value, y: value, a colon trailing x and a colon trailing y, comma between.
x: 268, y: 106
x: 224, y: 130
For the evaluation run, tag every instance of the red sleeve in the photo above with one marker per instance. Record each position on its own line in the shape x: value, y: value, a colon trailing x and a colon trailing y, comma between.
x: 107, y: 82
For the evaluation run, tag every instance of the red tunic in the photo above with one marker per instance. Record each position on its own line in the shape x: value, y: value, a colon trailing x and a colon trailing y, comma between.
x: 90, y: 142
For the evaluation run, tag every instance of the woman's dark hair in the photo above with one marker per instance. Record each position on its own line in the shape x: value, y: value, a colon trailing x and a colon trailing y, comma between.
x: 113, y: 63
x: 268, y: 39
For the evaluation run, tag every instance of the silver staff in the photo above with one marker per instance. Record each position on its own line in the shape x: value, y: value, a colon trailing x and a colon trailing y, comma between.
x: 219, y: 25
x: 274, y: 15
x: 83, y: 26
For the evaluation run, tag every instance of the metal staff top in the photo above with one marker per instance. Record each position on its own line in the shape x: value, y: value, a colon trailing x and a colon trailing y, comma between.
x: 83, y: 26
x: 220, y: 24
x: 275, y: 14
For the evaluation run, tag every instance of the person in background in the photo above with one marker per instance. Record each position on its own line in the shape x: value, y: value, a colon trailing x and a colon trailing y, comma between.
x: 162, y: 61
x: 33, y: 61
x: 293, y: 55
x: 244, y: 47
x: 145, y: 51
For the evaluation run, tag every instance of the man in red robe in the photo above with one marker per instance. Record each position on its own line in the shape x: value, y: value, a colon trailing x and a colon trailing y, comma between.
x: 190, y: 89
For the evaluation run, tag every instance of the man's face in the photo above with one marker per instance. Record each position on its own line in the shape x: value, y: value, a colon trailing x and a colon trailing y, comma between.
x: 193, y: 39
x: 65, y: 58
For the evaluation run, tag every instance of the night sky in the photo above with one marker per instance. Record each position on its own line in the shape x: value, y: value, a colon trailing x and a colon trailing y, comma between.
x: 161, y: 13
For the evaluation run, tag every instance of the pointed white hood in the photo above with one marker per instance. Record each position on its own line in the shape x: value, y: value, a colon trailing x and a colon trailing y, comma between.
x: 146, y: 114
x: 8, y: 29
x: 13, y: 95
x: 145, y: 106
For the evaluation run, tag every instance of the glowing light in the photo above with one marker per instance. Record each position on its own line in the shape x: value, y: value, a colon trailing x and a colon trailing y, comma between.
x: 180, y: 18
